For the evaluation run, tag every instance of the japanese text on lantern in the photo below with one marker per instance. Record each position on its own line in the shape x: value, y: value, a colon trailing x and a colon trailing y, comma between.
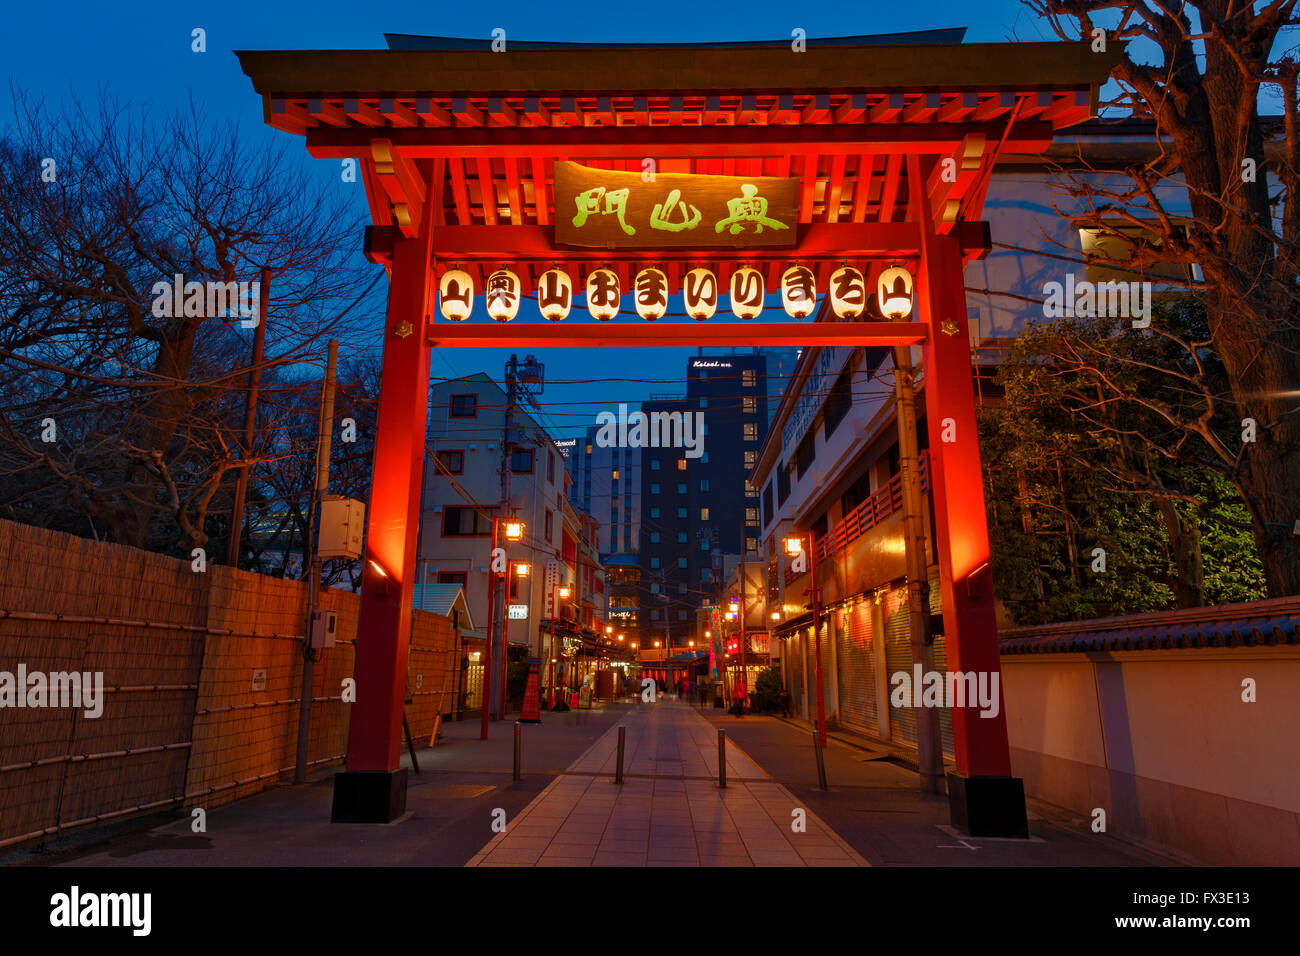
x: 611, y: 209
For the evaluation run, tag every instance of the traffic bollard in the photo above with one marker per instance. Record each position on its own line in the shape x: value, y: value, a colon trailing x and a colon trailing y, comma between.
x: 622, y: 742
x: 722, y: 759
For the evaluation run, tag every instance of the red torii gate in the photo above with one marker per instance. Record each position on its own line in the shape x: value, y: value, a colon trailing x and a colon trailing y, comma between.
x: 456, y: 149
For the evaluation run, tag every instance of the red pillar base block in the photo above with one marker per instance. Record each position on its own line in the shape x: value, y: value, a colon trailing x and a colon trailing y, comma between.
x: 988, y: 806
x: 369, y: 796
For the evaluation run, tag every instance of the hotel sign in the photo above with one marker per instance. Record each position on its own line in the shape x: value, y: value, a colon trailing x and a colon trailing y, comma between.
x: 613, y: 209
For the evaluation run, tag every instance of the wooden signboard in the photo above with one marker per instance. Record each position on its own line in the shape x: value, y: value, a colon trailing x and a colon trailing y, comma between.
x: 612, y: 209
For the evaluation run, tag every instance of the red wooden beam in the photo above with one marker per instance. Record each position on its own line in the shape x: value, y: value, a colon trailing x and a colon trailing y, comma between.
x: 678, y: 141
x: 633, y: 332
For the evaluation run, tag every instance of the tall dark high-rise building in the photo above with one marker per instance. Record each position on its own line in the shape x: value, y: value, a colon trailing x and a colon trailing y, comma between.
x: 695, y: 501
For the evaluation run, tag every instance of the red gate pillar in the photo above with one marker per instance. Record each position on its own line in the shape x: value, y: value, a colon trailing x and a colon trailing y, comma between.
x: 373, y: 788
x: 984, y: 799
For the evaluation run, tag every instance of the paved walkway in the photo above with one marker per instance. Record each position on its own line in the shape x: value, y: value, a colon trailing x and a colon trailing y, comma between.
x: 669, y: 811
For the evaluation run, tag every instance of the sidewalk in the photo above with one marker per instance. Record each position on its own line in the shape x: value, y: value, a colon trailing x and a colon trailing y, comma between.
x: 669, y: 811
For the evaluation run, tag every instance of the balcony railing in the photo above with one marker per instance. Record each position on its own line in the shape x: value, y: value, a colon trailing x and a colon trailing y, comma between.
x: 880, y: 505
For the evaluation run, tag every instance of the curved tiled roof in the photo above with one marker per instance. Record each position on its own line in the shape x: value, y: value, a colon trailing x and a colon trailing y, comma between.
x: 1255, y: 624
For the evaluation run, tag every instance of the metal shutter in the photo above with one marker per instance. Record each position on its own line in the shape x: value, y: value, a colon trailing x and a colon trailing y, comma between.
x: 898, y: 658
x: 794, y: 656
x: 857, y: 668
x: 940, y: 652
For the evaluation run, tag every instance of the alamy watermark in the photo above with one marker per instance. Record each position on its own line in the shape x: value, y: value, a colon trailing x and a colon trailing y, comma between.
x: 946, y: 689
x: 652, y: 430
x: 76, y: 689
x: 176, y: 298
x: 1127, y: 300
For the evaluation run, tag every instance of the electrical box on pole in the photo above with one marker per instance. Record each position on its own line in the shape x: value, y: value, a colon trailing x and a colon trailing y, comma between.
x: 342, y: 521
x: 324, y: 628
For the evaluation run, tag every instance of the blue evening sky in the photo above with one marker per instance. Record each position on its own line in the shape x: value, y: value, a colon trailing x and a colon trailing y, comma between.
x: 140, y: 52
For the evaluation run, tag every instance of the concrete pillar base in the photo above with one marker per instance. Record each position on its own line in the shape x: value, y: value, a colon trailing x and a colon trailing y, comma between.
x: 988, y: 806
x: 369, y: 796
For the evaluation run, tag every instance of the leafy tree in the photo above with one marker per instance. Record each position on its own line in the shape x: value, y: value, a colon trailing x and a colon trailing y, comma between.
x: 1089, y: 455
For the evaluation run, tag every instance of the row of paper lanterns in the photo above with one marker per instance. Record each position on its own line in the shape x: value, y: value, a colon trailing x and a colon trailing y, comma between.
x: 848, y: 293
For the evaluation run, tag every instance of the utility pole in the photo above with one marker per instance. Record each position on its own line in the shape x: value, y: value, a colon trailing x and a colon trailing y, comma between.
x: 324, y: 434
x: 250, y: 424
x: 928, y: 745
x: 744, y: 674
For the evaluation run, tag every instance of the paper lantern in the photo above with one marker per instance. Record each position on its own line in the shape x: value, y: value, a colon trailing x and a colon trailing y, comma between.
x: 798, y: 291
x: 555, y: 295
x: 746, y: 293
x: 602, y: 294
x: 700, y: 294
x: 848, y: 292
x: 650, y: 293
x: 502, y: 294
x: 456, y: 295
x: 894, y: 293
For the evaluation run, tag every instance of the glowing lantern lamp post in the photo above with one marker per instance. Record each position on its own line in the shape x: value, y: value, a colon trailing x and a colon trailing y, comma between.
x: 502, y: 293
x: 794, y: 546
x: 602, y: 294
x: 848, y: 292
x: 747, y: 293
x: 700, y: 294
x: 894, y: 293
x: 456, y: 295
x: 650, y: 293
x: 798, y: 291
x: 555, y: 295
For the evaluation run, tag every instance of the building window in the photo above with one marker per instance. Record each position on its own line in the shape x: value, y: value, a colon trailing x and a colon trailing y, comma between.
x: 654, y: 537
x: 681, y: 464
x: 838, y: 403
x: 654, y: 563
x: 704, y: 458
x: 452, y: 577
x: 681, y: 615
x: 805, y: 454
x: 654, y: 488
x: 751, y: 431
x: 550, y: 467
x: 751, y: 516
x: 704, y: 514
x: 463, y: 406
x: 549, y: 525
x: 654, y: 512
x: 704, y: 484
x: 654, y: 464
x: 767, y: 502
x: 453, y: 462
x: 681, y: 537
x: 749, y: 405
x: 681, y: 588
x: 751, y: 545
x: 588, y: 448
x: 464, y: 522
x: 681, y: 512
x: 704, y: 544
x: 654, y: 589
x: 750, y: 458
x: 750, y: 490
x: 681, y: 562
x: 681, y: 487
x: 748, y: 378
x: 782, y: 484
x: 521, y: 461
x: 616, y: 474
x: 704, y: 403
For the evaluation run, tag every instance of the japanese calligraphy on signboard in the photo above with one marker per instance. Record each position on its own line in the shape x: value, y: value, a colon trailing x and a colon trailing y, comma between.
x: 613, y: 209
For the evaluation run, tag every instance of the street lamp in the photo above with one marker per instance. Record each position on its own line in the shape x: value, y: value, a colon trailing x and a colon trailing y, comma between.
x: 557, y: 591
x: 514, y: 529
x: 794, y: 545
x: 522, y: 568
